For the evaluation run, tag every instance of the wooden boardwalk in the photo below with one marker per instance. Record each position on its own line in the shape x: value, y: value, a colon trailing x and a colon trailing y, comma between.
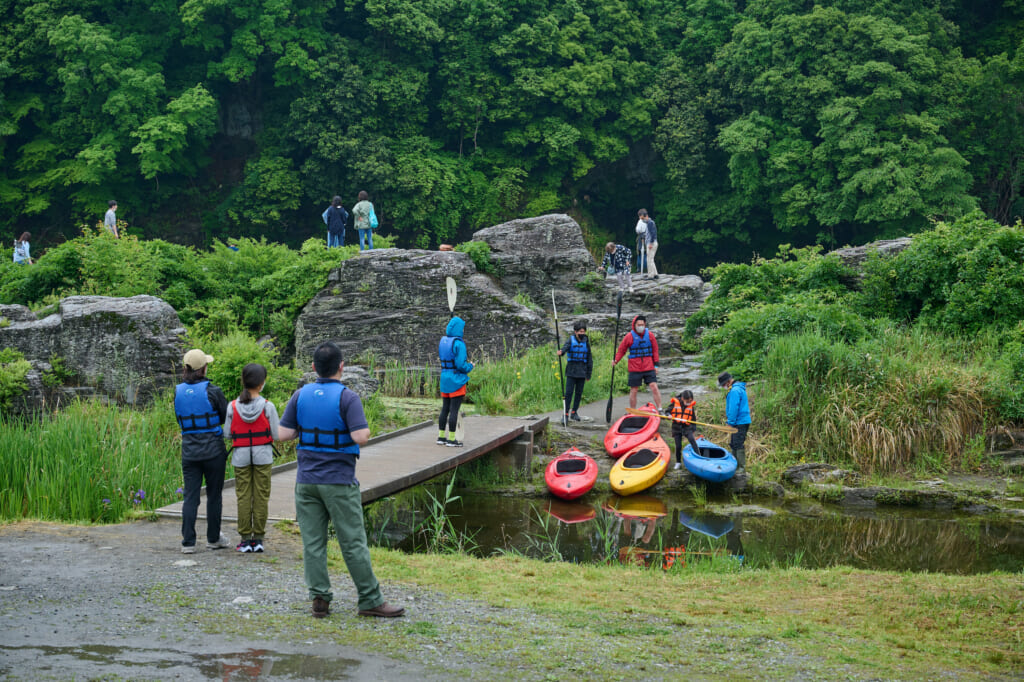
x: 393, y: 462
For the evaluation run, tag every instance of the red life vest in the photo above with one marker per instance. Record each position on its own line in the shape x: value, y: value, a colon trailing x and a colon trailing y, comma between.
x: 247, y: 434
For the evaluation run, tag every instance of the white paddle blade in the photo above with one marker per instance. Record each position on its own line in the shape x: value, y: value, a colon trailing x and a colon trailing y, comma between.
x: 460, y: 429
x: 453, y: 292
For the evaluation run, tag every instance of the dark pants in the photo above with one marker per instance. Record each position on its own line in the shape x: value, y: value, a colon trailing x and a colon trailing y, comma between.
x: 737, y: 439
x: 193, y: 473
x: 573, y: 392
x: 450, y: 413
x: 678, y: 434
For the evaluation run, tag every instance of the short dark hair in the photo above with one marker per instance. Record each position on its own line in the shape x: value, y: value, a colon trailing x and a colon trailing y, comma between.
x: 640, y: 318
x: 326, y: 359
x: 642, y: 212
x: 336, y: 201
x: 193, y: 375
x: 578, y: 325
x: 724, y: 378
x: 363, y: 195
x: 686, y: 395
x: 111, y: 203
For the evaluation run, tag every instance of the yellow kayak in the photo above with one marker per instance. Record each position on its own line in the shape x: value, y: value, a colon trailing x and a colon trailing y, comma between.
x: 641, y: 467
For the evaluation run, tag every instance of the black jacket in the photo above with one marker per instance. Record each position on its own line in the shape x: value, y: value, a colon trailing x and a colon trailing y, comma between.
x: 579, y: 370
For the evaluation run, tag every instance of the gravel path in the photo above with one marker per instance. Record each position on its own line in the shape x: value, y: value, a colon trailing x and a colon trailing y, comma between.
x: 123, y: 602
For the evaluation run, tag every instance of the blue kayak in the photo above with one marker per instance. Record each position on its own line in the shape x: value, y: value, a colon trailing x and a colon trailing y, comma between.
x: 713, y: 463
x: 712, y: 525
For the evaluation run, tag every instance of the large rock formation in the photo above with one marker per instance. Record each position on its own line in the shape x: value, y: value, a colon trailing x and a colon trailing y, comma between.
x: 126, y: 349
x: 535, y: 255
x: 392, y: 303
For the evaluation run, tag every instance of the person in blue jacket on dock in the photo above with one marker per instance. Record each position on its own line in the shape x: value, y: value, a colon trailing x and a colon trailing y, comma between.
x: 455, y: 369
x: 737, y: 414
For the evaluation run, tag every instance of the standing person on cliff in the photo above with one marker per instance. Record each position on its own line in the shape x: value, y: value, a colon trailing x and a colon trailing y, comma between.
x: 329, y: 421
x: 737, y: 414
x: 645, y: 225
x: 364, y: 216
x: 201, y: 408
x: 335, y: 217
x: 110, y: 219
x: 643, y: 360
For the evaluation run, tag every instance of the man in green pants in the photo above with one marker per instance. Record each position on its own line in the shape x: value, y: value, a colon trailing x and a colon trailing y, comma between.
x: 328, y: 420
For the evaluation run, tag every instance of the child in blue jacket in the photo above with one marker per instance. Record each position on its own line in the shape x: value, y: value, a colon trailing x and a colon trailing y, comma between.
x: 455, y: 369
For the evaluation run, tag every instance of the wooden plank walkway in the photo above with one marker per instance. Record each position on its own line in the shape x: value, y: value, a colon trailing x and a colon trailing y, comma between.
x: 389, y: 463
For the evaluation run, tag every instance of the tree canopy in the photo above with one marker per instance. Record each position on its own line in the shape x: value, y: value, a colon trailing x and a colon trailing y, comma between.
x: 740, y: 125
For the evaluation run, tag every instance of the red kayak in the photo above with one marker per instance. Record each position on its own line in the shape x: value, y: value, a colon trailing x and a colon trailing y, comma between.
x: 570, y: 475
x: 630, y: 431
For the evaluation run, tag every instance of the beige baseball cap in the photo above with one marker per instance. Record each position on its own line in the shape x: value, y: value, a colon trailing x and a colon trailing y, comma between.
x: 197, y: 359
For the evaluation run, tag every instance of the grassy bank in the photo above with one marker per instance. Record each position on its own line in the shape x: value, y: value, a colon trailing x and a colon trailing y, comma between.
x: 553, y: 621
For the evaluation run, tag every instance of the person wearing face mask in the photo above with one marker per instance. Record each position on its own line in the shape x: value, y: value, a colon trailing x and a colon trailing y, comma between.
x: 643, y: 360
x: 578, y: 369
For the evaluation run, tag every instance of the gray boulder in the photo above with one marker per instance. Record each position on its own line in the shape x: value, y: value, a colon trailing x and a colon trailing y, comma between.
x: 855, y: 256
x: 126, y: 349
x: 535, y: 255
x: 392, y: 304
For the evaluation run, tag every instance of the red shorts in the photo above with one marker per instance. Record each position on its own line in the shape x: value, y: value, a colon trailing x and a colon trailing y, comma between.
x: 455, y: 394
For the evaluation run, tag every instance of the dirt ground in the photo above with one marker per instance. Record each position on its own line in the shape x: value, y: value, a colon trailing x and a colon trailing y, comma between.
x: 123, y: 602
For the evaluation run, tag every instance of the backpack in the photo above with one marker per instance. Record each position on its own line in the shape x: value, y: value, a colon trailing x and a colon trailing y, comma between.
x: 373, y: 219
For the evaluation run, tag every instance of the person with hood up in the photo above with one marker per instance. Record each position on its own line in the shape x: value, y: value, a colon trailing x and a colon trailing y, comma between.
x: 252, y: 424
x: 643, y: 359
x: 737, y: 415
x: 455, y: 369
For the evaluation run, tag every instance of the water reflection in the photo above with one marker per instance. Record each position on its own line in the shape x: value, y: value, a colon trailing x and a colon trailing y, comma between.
x: 642, y: 528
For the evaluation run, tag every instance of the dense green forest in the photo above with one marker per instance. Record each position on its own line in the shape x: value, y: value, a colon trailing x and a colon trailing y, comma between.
x: 741, y: 125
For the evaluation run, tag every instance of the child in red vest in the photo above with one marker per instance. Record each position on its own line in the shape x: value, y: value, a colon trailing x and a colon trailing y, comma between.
x: 252, y: 425
x: 683, y: 406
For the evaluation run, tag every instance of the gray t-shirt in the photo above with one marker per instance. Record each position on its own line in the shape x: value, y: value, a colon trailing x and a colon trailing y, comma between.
x: 110, y: 220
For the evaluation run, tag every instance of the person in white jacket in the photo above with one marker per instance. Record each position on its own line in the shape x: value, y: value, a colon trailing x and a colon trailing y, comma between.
x: 646, y: 228
x: 252, y: 424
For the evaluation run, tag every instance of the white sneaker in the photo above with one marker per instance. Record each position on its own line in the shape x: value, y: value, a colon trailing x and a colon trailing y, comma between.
x: 678, y: 466
x: 631, y: 290
x: 188, y: 549
x: 222, y: 543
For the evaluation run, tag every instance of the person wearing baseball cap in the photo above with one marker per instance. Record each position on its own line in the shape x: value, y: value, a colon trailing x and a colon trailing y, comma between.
x: 201, y: 408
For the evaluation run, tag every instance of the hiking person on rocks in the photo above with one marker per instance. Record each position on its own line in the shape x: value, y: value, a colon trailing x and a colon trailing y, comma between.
x: 578, y: 369
x: 620, y: 258
x: 646, y: 228
x: 737, y: 414
x: 329, y: 422
x: 335, y: 217
x: 643, y: 360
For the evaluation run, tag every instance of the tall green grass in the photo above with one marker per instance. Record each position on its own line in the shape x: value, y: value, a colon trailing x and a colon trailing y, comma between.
x: 879, y: 404
x: 89, y: 463
x: 529, y: 382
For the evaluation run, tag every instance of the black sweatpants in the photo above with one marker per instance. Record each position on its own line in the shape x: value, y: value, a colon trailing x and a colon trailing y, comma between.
x: 573, y: 387
x: 678, y: 434
x: 450, y: 413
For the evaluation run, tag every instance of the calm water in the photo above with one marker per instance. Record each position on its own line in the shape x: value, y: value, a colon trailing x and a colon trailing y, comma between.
x: 641, y: 527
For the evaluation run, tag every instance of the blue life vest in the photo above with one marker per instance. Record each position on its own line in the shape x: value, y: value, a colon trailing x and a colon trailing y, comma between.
x: 641, y: 347
x: 193, y: 409
x: 578, y: 350
x: 320, y: 424
x: 446, y: 351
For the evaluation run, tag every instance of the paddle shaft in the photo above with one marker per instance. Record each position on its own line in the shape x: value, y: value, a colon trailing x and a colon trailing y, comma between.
x: 615, y: 341
x: 645, y: 413
x: 558, y: 347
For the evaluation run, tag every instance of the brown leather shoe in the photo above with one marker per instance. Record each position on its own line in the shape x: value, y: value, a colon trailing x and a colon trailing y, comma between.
x: 385, y: 610
x: 321, y: 607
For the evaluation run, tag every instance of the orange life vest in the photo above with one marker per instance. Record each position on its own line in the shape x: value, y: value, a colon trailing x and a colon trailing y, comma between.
x: 678, y: 411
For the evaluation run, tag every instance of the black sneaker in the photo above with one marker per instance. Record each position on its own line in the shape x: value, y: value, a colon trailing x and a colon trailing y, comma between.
x: 245, y: 546
x: 575, y: 417
x: 452, y: 443
x: 442, y: 441
x: 257, y: 545
x: 321, y: 607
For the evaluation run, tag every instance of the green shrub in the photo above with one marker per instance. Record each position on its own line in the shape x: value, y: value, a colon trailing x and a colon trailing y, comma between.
x: 13, y: 368
x: 233, y: 352
x: 480, y: 254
